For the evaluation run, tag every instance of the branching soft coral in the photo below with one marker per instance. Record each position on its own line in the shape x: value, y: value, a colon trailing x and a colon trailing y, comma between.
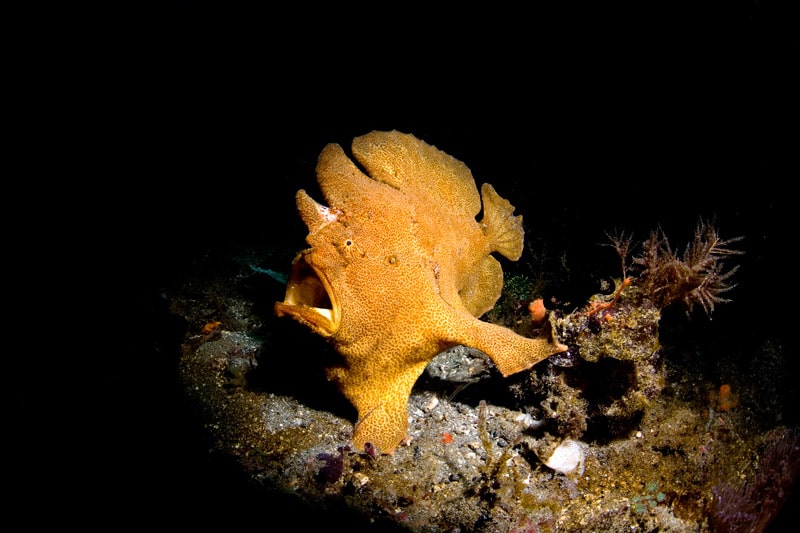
x: 698, y: 276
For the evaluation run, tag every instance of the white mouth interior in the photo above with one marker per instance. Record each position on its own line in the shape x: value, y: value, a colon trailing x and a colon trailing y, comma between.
x: 327, y: 313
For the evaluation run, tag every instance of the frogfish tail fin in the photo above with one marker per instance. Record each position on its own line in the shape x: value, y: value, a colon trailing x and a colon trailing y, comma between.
x: 503, y: 230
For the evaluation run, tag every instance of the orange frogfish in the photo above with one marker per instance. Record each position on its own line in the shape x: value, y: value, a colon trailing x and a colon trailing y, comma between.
x: 399, y: 269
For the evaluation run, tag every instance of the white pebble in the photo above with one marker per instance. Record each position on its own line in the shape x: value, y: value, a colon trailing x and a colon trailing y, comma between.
x: 567, y: 457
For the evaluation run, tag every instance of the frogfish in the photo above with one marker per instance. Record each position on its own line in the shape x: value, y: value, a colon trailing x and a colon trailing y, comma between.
x: 399, y: 269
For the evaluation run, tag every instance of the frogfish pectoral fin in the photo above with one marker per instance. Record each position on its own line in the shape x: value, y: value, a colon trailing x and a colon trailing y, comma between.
x: 511, y: 353
x: 382, y: 411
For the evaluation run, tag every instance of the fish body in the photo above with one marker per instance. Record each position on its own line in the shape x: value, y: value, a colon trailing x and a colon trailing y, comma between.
x: 398, y: 269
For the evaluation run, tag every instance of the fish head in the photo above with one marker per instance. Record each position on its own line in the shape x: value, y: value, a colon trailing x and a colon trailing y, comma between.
x: 311, y: 296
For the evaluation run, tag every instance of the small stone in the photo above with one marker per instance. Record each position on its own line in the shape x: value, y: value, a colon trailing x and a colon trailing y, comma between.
x: 432, y: 404
x: 567, y: 457
x: 359, y: 480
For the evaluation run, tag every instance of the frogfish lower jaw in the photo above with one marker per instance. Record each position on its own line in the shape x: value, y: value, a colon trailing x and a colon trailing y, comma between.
x: 309, y: 299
